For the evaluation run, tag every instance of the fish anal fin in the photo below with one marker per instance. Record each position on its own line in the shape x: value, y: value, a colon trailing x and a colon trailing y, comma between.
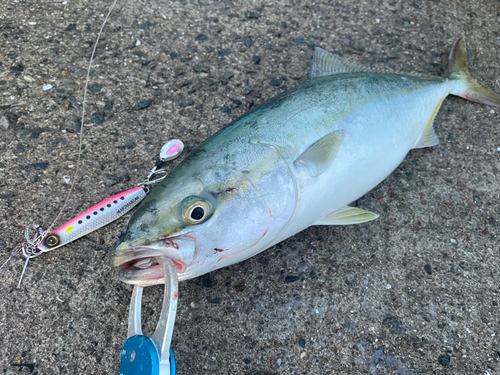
x: 347, y: 216
x: 321, y: 153
x: 429, y: 137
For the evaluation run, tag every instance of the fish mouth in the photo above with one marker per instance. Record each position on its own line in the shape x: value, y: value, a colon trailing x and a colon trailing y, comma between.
x: 139, y: 265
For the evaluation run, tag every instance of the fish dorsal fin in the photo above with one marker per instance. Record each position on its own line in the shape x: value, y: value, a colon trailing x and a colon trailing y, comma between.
x: 325, y: 64
x: 322, y: 153
x: 346, y: 216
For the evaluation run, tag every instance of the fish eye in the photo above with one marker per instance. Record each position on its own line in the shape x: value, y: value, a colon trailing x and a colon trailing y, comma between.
x: 196, y: 210
x: 197, y: 213
x: 52, y: 240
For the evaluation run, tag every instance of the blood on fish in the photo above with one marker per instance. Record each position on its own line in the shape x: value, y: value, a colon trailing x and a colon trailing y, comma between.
x: 172, y: 244
x: 217, y: 250
x: 228, y: 190
x: 178, y: 266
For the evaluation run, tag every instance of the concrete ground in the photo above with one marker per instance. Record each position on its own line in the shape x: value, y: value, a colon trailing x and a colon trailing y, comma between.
x: 414, y: 292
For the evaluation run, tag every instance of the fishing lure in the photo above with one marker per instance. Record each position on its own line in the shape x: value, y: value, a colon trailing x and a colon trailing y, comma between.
x: 99, y: 215
x: 109, y: 209
x: 94, y: 218
x: 154, y: 351
x: 31, y: 248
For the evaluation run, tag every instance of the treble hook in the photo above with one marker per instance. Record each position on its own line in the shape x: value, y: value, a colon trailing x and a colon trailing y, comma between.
x: 30, y: 250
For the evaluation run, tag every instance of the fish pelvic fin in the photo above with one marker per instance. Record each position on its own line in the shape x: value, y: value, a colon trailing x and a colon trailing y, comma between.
x: 347, y: 216
x: 470, y: 90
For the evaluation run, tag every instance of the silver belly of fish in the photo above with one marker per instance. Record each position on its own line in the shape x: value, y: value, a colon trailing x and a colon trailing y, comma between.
x: 296, y: 161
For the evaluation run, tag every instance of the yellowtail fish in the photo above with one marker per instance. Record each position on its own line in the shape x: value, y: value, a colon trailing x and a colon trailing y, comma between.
x: 296, y: 161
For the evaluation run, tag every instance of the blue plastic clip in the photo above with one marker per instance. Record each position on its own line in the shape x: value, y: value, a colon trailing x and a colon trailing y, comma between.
x: 142, y: 355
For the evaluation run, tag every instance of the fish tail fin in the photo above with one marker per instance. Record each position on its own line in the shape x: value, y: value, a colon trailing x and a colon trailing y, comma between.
x: 468, y: 89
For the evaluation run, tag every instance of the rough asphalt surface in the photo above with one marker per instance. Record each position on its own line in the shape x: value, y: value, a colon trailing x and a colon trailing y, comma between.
x: 414, y: 292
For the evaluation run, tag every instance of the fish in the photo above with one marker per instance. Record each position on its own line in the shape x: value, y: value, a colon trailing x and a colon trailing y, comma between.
x: 298, y: 160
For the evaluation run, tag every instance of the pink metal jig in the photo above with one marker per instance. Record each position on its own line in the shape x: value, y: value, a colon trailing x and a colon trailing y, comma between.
x: 94, y: 218
x: 98, y: 216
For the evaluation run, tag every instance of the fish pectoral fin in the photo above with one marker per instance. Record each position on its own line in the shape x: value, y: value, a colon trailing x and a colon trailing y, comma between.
x: 321, y: 153
x: 347, y: 216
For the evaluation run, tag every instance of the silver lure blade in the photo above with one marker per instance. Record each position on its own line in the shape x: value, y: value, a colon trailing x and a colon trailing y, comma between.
x: 171, y: 150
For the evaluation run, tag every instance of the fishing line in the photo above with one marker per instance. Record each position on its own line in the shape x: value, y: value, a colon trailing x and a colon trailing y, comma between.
x: 29, y: 249
x: 12, y: 256
x: 78, y: 163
